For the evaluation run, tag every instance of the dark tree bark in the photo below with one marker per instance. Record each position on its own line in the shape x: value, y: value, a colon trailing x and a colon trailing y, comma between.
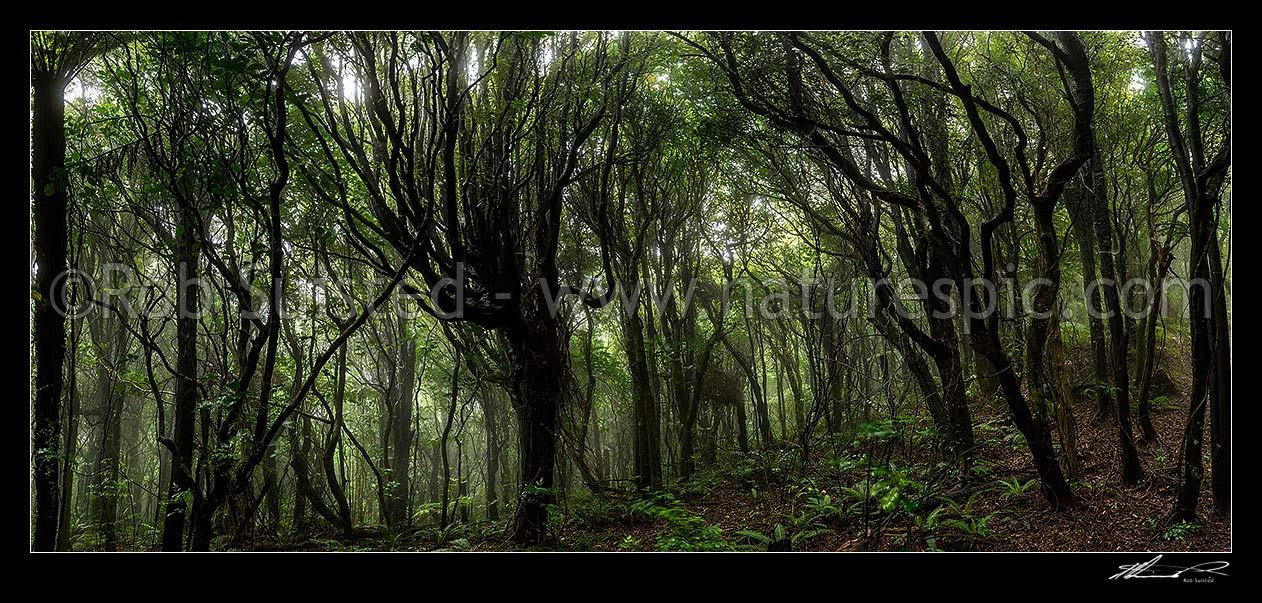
x: 538, y: 356
x: 1220, y: 389
x: 48, y: 174
x: 184, y: 493
x: 1160, y: 257
x: 462, y: 483
x: 985, y: 331
x: 652, y: 407
x: 1132, y: 471
x: 1202, y: 184
x: 742, y: 426
x: 232, y: 477
x: 756, y: 394
x: 473, y: 192
x: 690, y: 414
x: 954, y: 393
x: 1038, y: 372
x: 271, y: 491
x: 788, y: 357
x: 1082, y: 213
x: 490, y: 416
x: 454, y: 397
x: 1066, y: 424
x: 56, y: 57
x: 72, y: 418
x: 111, y: 345
x: 399, y: 350
x: 332, y: 449
x: 648, y: 474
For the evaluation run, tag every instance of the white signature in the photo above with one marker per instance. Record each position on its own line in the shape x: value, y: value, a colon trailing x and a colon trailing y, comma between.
x: 1150, y: 569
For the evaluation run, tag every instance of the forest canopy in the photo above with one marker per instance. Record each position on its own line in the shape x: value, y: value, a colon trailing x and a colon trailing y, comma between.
x: 601, y: 290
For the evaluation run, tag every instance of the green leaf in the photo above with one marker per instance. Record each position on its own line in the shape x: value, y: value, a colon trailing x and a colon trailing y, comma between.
x: 890, y: 501
x: 755, y: 536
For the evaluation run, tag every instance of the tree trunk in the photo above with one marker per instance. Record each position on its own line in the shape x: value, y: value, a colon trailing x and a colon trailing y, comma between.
x: 954, y: 390
x: 1066, y: 425
x: 1191, y: 467
x: 1201, y: 186
x: 1132, y: 471
x: 1220, y: 390
x: 48, y: 174
x: 491, y: 420
x: 758, y: 357
x: 742, y: 426
x: 1082, y: 215
x: 271, y: 496
x: 109, y: 410
x: 297, y: 450
x: 65, y: 522
x: 689, y: 416
x: 710, y: 452
x: 72, y: 418
x: 462, y: 483
x: 648, y: 474
x: 987, y: 377
x: 653, y: 407
x: 400, y: 449
x: 184, y: 493
x: 795, y: 385
x: 332, y: 449
x: 445, y: 517
x: 539, y: 361
x: 1053, y: 485
x: 781, y: 409
x: 756, y: 393
x: 1045, y: 377
x: 1160, y: 265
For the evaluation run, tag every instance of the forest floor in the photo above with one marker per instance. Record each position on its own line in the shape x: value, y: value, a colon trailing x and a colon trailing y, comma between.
x: 998, y: 509
x: 766, y: 500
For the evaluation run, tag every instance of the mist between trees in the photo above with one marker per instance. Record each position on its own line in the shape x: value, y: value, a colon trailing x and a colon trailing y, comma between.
x: 610, y: 290
x: 79, y: 293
